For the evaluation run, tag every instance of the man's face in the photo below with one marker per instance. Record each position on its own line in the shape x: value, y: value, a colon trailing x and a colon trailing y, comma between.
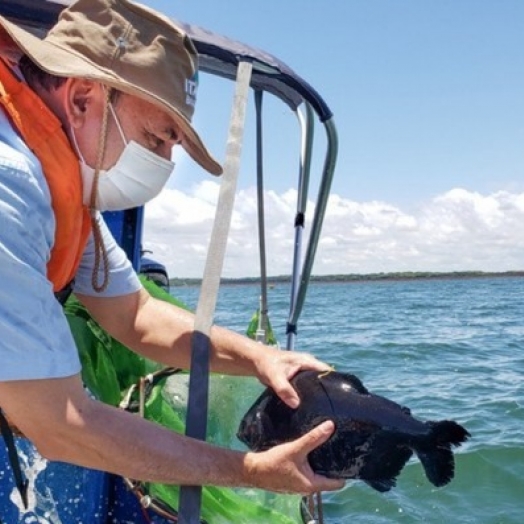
x: 140, y: 121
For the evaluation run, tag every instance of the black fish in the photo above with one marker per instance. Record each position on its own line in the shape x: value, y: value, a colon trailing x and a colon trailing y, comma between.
x: 374, y: 437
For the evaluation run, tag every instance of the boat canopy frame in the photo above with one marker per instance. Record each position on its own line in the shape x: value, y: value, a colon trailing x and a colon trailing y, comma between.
x: 221, y: 56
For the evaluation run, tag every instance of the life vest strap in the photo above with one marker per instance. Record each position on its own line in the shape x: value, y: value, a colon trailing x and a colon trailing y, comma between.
x: 64, y: 293
x: 20, y: 481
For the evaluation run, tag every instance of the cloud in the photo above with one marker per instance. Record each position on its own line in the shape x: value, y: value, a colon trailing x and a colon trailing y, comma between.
x: 457, y: 230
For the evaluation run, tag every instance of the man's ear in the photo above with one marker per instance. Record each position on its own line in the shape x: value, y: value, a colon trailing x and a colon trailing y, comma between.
x: 81, y: 97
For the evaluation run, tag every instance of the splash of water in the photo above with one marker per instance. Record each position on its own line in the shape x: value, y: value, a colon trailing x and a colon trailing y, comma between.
x: 33, y: 465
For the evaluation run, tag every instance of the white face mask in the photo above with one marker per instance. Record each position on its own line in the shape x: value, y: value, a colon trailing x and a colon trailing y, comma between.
x: 137, y: 177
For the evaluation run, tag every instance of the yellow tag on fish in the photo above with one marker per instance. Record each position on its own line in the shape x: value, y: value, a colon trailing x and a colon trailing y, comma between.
x: 326, y: 373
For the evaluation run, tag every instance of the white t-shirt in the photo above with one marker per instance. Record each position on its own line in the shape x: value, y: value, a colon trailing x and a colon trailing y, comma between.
x: 35, y: 339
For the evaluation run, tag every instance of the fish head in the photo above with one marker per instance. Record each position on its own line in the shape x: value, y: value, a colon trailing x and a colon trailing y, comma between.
x: 256, y: 429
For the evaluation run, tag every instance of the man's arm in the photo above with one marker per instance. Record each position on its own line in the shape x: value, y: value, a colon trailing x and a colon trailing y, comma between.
x: 66, y: 425
x: 162, y: 332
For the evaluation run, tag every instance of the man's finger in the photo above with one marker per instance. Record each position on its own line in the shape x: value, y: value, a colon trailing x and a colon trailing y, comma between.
x: 311, y: 362
x: 286, y: 392
x: 316, y: 437
x: 325, y: 484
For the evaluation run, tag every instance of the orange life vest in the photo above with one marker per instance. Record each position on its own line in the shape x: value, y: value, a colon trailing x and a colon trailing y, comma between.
x: 43, y: 134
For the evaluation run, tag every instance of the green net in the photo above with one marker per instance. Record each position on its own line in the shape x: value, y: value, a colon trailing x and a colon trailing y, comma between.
x: 109, y: 369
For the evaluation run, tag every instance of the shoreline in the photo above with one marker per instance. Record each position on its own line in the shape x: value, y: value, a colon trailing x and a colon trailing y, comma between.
x: 355, y: 277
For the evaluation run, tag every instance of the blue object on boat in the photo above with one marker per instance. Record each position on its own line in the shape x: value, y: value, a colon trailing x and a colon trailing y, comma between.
x: 77, y: 491
x: 51, y: 485
x: 126, y: 227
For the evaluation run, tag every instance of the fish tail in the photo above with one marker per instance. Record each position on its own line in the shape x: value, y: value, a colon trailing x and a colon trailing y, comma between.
x: 435, y: 452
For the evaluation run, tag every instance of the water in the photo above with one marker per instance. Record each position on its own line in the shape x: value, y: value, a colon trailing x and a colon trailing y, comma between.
x: 445, y: 348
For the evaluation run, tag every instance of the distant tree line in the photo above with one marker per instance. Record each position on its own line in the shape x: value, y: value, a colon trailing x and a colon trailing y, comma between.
x: 355, y: 277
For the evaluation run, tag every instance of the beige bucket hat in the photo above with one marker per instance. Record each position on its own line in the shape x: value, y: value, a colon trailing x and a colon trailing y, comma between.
x: 127, y: 46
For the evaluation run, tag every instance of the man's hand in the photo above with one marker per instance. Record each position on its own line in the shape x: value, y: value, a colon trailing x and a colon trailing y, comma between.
x: 285, y: 468
x: 276, y: 367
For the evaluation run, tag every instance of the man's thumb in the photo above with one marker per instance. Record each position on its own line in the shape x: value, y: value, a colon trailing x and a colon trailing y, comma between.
x: 317, y: 436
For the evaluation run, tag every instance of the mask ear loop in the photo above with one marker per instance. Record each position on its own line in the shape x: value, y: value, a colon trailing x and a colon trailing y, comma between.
x: 100, y: 249
x: 118, y: 124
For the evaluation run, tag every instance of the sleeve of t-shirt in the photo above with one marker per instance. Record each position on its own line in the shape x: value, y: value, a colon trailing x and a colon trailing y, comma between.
x: 35, y: 339
x: 123, y: 279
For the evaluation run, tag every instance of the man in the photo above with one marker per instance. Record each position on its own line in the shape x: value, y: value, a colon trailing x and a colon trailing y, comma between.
x: 88, y: 120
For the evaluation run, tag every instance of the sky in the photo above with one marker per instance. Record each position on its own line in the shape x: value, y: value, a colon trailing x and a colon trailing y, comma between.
x: 428, y: 100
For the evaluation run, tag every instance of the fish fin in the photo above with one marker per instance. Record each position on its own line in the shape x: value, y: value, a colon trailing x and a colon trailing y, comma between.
x: 435, y: 452
x: 384, y: 462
